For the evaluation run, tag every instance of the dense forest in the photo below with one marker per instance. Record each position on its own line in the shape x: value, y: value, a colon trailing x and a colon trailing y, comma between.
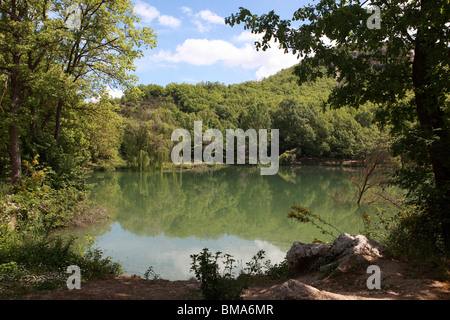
x: 137, y: 128
x: 308, y: 127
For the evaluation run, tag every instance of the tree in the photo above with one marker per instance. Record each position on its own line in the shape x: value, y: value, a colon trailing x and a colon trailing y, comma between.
x: 255, y: 116
x: 48, y: 64
x: 302, y: 128
x: 374, y: 168
x: 104, y: 131
x: 403, y: 67
x: 101, y: 51
x: 24, y: 43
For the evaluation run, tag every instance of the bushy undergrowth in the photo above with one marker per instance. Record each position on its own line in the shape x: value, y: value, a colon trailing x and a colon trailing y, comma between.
x: 410, y: 233
x: 29, y: 262
x: 30, y: 257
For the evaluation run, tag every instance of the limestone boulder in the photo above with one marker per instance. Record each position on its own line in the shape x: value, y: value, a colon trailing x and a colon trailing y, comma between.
x: 347, y: 244
x: 302, y: 257
x: 296, y: 290
x: 346, y: 253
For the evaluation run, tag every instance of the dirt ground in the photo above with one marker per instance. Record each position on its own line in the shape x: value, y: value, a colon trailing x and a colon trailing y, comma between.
x: 399, y: 281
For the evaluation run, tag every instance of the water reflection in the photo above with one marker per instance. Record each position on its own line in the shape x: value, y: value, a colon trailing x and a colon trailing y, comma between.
x: 160, y: 219
x: 170, y: 257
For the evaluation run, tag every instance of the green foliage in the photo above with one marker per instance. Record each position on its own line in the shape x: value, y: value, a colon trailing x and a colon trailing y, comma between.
x: 417, y: 236
x: 299, y: 128
x: 50, y: 70
x: 34, y: 205
x: 150, y: 272
x: 304, y: 215
x: 278, y: 270
x: 215, y: 286
x: 104, y: 131
x: 288, y: 157
x: 95, y: 265
x: 225, y: 286
x: 37, y: 262
x: 9, y: 269
x: 276, y: 102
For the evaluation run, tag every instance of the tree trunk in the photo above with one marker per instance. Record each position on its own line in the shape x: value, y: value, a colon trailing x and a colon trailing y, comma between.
x: 14, y: 154
x: 434, y: 126
x: 16, y: 103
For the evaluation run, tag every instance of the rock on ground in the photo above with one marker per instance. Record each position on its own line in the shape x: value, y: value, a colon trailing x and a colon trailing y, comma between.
x: 346, y: 253
x: 296, y: 290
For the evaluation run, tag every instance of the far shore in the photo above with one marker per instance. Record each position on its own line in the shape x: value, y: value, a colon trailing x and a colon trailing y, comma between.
x: 169, y: 166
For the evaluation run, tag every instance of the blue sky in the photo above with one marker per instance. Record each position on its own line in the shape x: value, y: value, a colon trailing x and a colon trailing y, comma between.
x: 195, y: 45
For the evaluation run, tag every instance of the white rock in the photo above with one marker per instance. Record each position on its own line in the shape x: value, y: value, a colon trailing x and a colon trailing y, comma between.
x: 347, y: 252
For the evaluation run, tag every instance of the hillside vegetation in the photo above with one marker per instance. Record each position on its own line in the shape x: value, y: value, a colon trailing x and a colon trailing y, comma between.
x: 308, y: 127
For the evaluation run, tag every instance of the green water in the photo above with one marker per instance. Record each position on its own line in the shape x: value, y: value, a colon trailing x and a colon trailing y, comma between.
x: 160, y: 219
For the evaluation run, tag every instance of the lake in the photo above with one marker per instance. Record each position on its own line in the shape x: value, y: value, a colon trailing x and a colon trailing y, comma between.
x: 159, y: 219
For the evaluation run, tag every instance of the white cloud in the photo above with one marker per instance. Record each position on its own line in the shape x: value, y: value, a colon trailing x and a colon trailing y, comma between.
x: 204, y: 52
x: 247, y: 36
x: 204, y: 20
x: 186, y: 10
x: 114, y: 93
x: 149, y: 13
x: 210, y: 17
x: 201, y: 27
x: 328, y: 42
x: 169, y: 21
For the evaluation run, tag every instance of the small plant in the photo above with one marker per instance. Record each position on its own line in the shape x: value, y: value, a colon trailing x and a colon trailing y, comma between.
x: 225, y: 286
x: 38, y: 262
x: 215, y: 286
x: 33, y: 181
x: 151, y: 273
x: 278, y: 270
x: 9, y: 269
x: 304, y: 215
x: 96, y: 265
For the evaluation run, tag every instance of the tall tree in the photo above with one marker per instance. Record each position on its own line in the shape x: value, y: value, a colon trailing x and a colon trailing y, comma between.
x: 403, y: 66
x: 79, y: 59
x: 23, y: 44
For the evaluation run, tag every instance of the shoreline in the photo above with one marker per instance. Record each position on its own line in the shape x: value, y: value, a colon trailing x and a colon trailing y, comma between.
x: 169, y: 166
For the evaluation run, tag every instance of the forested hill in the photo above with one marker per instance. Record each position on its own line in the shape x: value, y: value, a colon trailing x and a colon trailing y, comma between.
x: 136, y: 129
x: 307, y: 125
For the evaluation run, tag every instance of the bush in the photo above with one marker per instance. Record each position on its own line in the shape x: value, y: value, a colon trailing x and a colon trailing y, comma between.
x: 225, y: 286
x: 288, y: 157
x: 35, y: 205
x: 9, y: 269
x: 416, y: 236
x: 30, y: 262
x: 215, y: 286
x: 411, y: 232
x: 29, y: 257
x: 277, y: 271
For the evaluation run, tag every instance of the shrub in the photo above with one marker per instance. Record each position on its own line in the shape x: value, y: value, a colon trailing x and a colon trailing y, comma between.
x: 416, y: 236
x: 288, y: 157
x: 225, y: 286
x: 278, y: 270
x: 215, y: 286
x: 30, y: 262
